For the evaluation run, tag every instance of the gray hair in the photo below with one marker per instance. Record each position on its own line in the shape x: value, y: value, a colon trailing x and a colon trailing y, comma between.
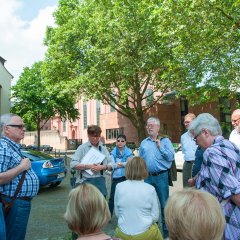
x: 236, y: 112
x: 205, y: 121
x: 5, y: 120
x: 155, y: 120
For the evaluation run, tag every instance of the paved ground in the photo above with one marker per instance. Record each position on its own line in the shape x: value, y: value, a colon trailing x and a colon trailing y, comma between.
x: 46, y: 219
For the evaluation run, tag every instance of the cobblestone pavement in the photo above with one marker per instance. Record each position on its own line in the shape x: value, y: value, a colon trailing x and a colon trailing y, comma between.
x: 46, y: 220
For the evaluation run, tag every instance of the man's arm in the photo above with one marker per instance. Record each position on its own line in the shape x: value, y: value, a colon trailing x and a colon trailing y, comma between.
x: 10, y: 174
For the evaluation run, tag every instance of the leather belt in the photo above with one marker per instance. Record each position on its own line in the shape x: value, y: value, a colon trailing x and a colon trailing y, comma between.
x: 157, y: 173
x: 189, y: 161
x: 20, y: 198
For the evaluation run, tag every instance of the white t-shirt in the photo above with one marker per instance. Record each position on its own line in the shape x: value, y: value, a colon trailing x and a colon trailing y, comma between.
x: 235, y: 137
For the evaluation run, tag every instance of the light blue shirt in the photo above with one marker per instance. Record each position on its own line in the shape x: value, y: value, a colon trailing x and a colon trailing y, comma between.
x: 157, y: 159
x: 189, y: 147
x: 117, y: 156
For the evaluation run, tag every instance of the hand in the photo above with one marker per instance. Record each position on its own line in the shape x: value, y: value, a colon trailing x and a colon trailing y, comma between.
x: 96, y: 167
x: 119, y: 165
x: 158, y: 142
x: 25, y: 164
x: 191, y: 182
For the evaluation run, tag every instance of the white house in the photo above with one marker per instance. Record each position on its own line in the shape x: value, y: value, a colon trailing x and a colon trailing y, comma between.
x: 5, y: 85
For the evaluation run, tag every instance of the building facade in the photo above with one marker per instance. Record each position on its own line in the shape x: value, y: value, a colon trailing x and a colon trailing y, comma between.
x: 170, y: 112
x: 5, y: 88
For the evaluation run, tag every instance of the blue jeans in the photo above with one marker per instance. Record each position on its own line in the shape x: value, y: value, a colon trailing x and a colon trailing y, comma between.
x: 2, y: 224
x: 17, y: 219
x: 160, y: 183
x: 99, y: 183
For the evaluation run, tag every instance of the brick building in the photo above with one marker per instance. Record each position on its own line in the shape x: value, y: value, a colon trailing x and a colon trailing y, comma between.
x: 170, y: 112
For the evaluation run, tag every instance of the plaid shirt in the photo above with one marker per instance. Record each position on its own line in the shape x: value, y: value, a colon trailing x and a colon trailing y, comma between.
x: 10, y: 157
x: 220, y: 176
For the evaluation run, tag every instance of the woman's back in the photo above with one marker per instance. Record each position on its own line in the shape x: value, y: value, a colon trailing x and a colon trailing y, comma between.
x: 136, y: 202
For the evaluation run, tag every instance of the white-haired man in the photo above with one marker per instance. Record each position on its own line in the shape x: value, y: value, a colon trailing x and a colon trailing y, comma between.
x: 13, y: 130
x: 235, y: 134
x: 158, y: 153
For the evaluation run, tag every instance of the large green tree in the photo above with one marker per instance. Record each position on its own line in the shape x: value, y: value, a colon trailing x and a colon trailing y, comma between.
x: 36, y: 104
x: 116, y: 50
x: 207, y: 37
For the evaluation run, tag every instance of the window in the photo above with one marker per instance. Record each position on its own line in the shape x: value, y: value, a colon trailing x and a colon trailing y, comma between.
x: 98, y: 109
x: 64, y: 125
x: 113, y: 133
x: 149, y: 95
x: 84, y: 115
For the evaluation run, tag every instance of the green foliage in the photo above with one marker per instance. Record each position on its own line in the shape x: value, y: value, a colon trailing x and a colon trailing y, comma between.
x: 115, y: 50
x: 36, y: 103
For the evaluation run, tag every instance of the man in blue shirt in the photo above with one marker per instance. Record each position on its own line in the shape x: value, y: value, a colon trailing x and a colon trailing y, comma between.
x: 158, y: 154
x: 13, y: 130
x: 189, y: 148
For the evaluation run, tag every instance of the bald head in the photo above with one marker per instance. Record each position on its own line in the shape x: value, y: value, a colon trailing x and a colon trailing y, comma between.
x: 236, y: 119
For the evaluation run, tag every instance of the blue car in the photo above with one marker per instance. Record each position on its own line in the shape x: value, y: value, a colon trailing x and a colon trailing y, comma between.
x: 50, y: 171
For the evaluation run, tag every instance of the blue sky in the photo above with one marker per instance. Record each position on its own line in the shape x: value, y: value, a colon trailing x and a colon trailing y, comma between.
x: 31, y: 8
x: 22, y: 26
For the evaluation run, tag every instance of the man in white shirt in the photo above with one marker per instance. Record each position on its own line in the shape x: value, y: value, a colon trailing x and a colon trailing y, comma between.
x: 189, y: 148
x: 235, y: 134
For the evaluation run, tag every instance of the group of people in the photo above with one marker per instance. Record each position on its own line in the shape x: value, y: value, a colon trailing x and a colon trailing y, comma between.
x: 139, y: 184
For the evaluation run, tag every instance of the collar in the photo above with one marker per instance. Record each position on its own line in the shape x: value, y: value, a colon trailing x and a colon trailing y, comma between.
x: 11, y: 142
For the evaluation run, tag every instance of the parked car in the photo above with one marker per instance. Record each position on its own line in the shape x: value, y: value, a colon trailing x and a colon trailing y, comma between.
x: 31, y: 146
x: 45, y: 148
x: 179, y: 160
x: 50, y: 171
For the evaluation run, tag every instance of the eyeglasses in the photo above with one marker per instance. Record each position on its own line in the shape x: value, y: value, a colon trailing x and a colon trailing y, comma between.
x: 234, y: 121
x: 195, y: 138
x: 121, y: 141
x: 20, y: 126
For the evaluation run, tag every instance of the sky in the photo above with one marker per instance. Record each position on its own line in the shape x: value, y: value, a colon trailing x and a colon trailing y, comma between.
x: 22, y: 30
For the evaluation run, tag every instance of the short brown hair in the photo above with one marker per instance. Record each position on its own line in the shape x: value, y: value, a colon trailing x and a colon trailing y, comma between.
x: 193, y: 214
x: 87, y: 210
x: 94, y: 130
x: 136, y: 169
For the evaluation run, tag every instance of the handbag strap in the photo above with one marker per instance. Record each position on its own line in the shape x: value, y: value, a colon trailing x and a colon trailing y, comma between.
x: 19, y: 186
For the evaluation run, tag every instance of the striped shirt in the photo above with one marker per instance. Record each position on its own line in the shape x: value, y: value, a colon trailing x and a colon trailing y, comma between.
x: 220, y: 176
x: 10, y: 157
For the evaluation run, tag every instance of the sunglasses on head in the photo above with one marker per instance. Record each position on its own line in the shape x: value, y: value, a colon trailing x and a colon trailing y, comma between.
x: 120, y: 140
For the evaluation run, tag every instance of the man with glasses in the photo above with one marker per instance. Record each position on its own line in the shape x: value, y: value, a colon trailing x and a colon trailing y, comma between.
x: 97, y: 178
x: 158, y: 153
x: 120, y: 155
x: 189, y: 148
x: 12, y: 166
x: 220, y: 170
x: 235, y: 134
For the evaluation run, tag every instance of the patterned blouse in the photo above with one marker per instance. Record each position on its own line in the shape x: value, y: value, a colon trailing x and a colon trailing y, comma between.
x: 220, y: 176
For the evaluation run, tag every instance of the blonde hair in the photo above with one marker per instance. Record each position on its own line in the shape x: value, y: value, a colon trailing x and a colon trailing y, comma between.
x: 194, y: 215
x: 87, y: 210
x: 136, y: 169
